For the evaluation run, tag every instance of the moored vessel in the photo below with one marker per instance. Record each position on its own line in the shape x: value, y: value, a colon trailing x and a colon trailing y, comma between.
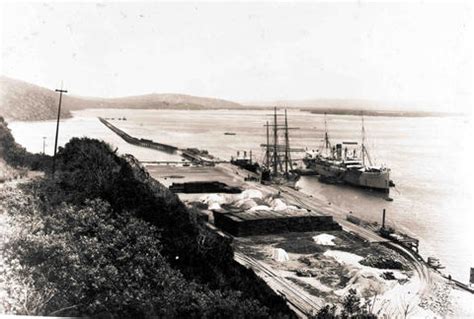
x: 348, y: 163
x: 277, y: 166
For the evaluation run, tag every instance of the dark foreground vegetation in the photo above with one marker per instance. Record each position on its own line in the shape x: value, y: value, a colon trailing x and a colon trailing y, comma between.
x: 101, y: 238
x: 352, y: 308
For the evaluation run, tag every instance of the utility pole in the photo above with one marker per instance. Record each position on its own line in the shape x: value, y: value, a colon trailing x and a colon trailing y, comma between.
x: 61, y: 91
x: 363, y: 141
x: 44, y: 144
x: 275, y: 144
x: 287, y: 146
x: 268, y: 147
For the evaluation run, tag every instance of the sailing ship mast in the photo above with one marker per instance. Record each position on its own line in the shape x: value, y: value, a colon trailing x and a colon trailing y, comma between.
x: 267, y: 154
x: 276, y: 159
x: 277, y: 154
x: 287, y: 147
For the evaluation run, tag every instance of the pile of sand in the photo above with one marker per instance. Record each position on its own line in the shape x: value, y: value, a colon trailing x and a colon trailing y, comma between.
x: 249, y: 200
x: 259, y: 207
x: 364, y: 279
x: 280, y: 255
x: 250, y: 194
x: 324, y: 239
x: 214, y: 201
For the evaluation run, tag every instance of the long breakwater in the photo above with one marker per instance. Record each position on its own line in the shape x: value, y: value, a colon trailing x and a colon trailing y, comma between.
x: 139, y: 141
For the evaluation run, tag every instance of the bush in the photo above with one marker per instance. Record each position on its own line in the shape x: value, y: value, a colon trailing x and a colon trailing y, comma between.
x: 103, y: 238
x: 93, y: 261
x: 383, y: 262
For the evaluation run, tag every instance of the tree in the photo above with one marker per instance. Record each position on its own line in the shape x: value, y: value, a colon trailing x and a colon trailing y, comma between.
x: 353, y: 308
x: 327, y: 312
x: 351, y: 303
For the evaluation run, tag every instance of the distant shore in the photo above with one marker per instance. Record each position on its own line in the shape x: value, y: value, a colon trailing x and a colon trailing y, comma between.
x: 378, y: 113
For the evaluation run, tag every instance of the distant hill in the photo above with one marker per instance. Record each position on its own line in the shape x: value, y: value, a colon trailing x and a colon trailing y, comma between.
x: 24, y: 101
x: 152, y: 101
x: 354, y: 107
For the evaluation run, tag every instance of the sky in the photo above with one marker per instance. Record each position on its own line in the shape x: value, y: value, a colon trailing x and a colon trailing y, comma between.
x: 416, y: 53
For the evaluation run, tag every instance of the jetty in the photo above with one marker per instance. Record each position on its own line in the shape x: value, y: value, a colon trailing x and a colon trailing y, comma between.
x: 190, y: 155
x: 139, y: 141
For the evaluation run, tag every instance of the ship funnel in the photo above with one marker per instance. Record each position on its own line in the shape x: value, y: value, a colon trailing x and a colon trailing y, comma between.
x: 339, y: 151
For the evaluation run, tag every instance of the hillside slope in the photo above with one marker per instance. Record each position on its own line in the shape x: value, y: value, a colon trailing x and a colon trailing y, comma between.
x: 151, y: 101
x: 23, y: 101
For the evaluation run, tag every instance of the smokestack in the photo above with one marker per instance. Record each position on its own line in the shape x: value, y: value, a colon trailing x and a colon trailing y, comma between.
x: 383, y: 218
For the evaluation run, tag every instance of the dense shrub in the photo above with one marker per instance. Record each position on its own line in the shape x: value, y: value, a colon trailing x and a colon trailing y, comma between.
x: 90, y: 169
x: 383, y: 262
x: 102, y: 237
x: 93, y: 262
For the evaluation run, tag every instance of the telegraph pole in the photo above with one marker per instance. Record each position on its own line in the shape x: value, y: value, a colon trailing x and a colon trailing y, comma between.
x: 61, y: 91
x: 275, y: 143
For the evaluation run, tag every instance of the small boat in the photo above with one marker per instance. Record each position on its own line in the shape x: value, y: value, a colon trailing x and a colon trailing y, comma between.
x: 434, y: 263
x: 230, y: 133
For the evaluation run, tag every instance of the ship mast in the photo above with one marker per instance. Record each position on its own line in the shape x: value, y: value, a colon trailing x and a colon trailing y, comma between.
x: 275, y: 143
x: 363, y: 149
x: 287, y: 147
x: 277, y: 148
x: 326, y: 137
x: 267, y: 157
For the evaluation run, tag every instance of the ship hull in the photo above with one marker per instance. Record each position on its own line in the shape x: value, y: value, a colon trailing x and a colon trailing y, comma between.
x: 375, y: 180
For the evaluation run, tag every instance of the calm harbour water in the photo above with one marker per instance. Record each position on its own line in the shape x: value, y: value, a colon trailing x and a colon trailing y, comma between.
x: 428, y: 158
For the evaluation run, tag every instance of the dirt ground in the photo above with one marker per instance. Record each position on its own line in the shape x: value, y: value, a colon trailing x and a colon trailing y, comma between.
x: 314, y: 268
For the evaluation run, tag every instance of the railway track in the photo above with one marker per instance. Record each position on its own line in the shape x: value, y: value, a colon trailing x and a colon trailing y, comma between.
x: 301, y: 302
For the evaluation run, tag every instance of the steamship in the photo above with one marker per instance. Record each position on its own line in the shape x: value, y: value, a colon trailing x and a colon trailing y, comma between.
x: 349, y: 164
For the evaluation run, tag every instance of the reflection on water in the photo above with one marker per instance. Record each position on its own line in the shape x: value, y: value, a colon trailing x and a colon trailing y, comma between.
x: 427, y: 157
